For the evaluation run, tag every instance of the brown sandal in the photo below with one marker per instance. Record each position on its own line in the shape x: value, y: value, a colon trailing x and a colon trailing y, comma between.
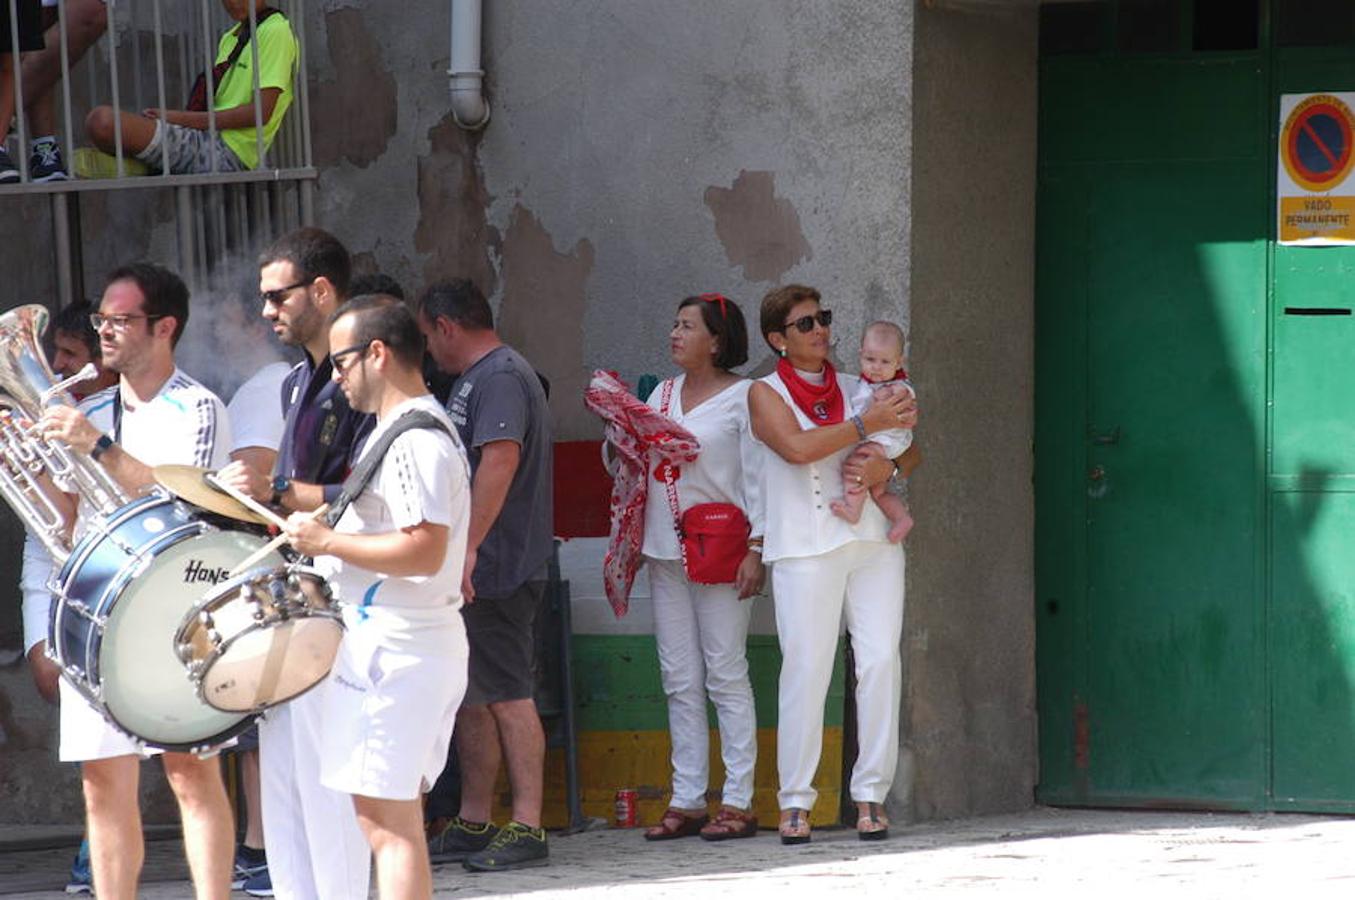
x: 873, y: 824
x: 730, y: 823
x: 676, y: 824
x: 795, y: 826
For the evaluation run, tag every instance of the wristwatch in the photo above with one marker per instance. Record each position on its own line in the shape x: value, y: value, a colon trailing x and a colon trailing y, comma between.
x: 280, y: 485
x: 100, y: 447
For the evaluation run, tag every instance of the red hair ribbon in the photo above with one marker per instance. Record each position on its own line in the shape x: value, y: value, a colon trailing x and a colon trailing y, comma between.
x: 715, y: 298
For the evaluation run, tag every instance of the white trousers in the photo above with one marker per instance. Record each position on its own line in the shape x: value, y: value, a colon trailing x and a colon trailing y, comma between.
x: 864, y: 579
x: 702, y: 635
x: 316, y: 850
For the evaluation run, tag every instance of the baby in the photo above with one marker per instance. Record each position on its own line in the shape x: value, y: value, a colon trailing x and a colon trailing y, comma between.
x: 881, y: 370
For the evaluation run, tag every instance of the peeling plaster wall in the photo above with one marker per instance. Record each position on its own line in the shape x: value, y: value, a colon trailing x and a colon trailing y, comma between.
x: 638, y: 152
x: 643, y: 150
x: 970, y: 634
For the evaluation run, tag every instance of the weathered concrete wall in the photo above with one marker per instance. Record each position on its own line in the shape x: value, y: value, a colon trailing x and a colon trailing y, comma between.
x: 638, y: 152
x: 642, y: 150
x: 970, y: 642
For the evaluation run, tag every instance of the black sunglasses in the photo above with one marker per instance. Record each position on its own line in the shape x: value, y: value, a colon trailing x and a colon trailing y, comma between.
x: 805, y: 324
x: 336, y: 358
x: 277, y: 295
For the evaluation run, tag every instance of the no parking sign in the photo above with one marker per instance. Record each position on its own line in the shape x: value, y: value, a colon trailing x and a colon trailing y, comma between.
x: 1316, y: 155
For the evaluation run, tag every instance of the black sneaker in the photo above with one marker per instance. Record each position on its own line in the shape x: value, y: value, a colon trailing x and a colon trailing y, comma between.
x: 516, y: 846
x: 46, y: 164
x: 458, y: 839
x: 8, y: 173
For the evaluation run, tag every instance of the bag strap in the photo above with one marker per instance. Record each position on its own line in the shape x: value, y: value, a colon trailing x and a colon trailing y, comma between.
x: 362, y: 473
x: 669, y: 478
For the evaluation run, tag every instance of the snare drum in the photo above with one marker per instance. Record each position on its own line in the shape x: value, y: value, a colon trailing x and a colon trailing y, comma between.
x: 118, y: 602
x: 260, y: 639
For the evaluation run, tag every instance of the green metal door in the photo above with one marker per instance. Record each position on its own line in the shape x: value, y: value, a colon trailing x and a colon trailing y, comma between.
x: 1312, y: 497
x: 1195, y: 457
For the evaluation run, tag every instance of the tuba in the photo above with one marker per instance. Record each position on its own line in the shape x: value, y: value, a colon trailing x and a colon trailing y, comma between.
x: 29, y: 463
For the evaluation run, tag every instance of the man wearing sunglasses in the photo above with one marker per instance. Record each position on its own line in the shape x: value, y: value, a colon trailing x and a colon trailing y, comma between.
x: 394, y: 556
x: 315, y: 849
x: 154, y: 415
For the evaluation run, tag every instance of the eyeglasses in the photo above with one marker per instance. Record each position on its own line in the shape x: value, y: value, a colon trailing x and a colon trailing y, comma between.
x: 277, y: 295
x: 805, y: 324
x: 119, y: 323
x: 335, y: 358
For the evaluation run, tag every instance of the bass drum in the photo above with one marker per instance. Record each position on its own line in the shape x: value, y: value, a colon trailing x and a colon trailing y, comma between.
x: 119, y: 600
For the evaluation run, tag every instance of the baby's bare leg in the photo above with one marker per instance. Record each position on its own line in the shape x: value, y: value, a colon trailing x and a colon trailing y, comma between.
x: 854, y: 497
x: 849, y: 507
x: 895, y: 510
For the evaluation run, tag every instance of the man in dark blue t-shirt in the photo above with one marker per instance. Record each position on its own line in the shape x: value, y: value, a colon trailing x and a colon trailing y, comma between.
x: 315, y: 848
x: 499, y: 407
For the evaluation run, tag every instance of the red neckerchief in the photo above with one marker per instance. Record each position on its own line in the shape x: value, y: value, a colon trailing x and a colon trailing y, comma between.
x: 821, y: 402
x: 899, y: 375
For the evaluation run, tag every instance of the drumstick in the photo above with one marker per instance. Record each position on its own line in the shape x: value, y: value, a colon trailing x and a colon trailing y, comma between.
x: 253, y: 559
x: 244, y: 499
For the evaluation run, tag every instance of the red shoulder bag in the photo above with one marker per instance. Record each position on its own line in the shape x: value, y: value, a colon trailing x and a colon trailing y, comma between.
x: 713, y: 536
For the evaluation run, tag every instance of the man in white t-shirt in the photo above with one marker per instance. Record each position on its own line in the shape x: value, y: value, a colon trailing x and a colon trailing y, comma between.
x: 155, y: 415
x: 394, y: 560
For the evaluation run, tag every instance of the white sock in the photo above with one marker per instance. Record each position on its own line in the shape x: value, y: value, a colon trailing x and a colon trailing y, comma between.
x: 46, y: 138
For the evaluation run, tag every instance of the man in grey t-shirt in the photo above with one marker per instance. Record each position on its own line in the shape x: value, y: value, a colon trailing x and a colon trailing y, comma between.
x: 499, y: 407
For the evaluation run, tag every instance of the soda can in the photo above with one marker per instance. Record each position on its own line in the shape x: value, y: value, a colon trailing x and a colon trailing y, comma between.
x: 627, y: 808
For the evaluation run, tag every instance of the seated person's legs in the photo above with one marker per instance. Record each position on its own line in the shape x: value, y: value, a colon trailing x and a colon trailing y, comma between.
x: 137, y: 131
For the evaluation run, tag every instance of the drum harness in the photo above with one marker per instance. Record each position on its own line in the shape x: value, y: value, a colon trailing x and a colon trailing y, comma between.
x: 362, y: 473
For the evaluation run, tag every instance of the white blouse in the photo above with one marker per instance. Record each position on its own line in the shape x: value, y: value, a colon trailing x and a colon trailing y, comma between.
x: 724, y: 472
x: 799, y: 522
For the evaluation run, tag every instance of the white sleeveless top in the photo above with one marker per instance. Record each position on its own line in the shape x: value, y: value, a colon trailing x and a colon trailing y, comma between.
x: 796, y: 497
x: 724, y: 472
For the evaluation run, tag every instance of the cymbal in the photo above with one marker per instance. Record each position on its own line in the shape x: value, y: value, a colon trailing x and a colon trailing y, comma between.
x: 189, y: 483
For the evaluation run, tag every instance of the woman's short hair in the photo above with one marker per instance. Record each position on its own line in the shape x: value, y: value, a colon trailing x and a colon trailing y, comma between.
x: 778, y: 303
x: 724, y: 320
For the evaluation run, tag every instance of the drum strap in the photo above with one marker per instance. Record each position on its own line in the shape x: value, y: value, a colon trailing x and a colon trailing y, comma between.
x: 362, y: 473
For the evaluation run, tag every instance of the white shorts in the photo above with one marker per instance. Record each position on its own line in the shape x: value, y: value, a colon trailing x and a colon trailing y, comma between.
x: 391, y: 701
x: 37, y: 595
x: 86, y: 735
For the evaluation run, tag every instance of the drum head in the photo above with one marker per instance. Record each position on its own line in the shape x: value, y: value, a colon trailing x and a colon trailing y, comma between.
x: 146, y: 688
x: 279, y: 639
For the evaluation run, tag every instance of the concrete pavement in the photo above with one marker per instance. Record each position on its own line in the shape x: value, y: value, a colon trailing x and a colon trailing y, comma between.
x: 1041, y: 852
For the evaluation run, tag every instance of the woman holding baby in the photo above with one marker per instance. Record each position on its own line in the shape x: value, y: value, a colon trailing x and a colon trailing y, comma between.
x: 823, y: 565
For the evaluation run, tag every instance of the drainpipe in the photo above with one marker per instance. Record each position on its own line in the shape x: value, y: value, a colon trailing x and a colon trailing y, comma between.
x: 470, y: 109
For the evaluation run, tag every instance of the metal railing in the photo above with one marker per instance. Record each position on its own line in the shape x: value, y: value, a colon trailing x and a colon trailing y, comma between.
x: 150, y: 54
